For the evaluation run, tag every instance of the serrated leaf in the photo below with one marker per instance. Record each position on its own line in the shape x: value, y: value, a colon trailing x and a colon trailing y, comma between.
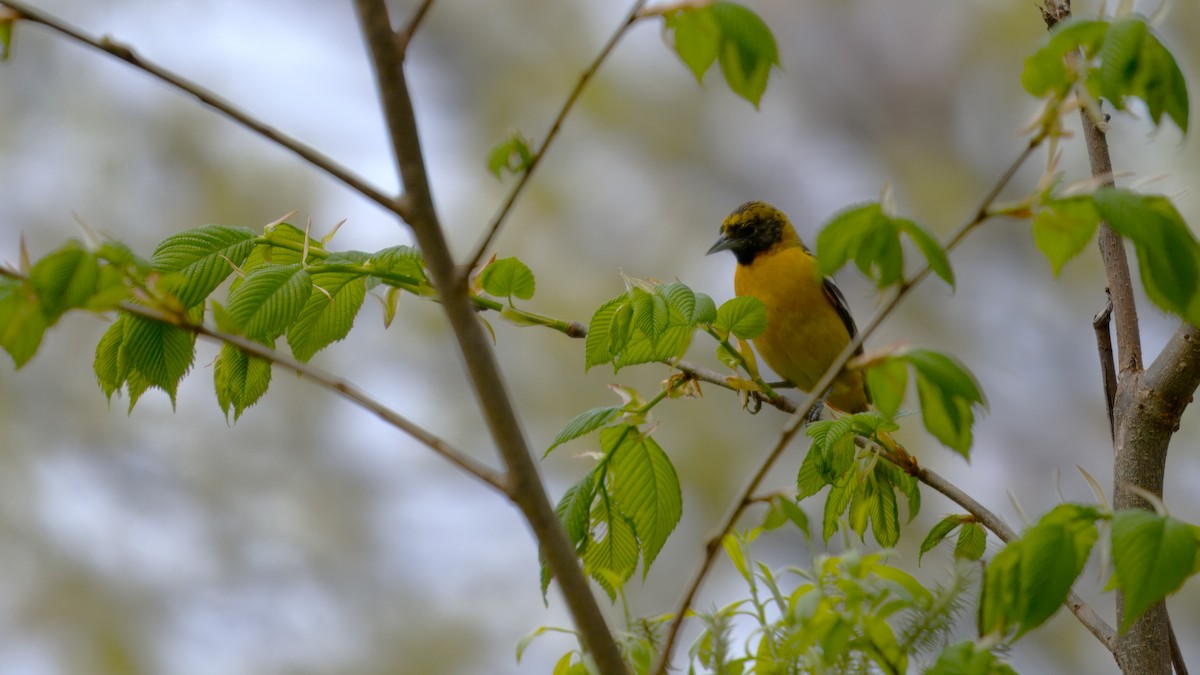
x: 885, y: 519
x: 269, y: 300
x: 153, y: 354
x: 326, y: 319
x: 240, y: 379
x: 836, y: 502
x: 706, y: 310
x: 22, y: 322
x: 596, y: 345
x: 613, y: 548
x: 937, y: 533
x: 404, y: 261
x: 109, y: 372
x: 508, y: 278
x: 646, y: 489
x: 202, y: 257
x: 640, y: 349
x: 680, y: 297
x: 1152, y: 556
x: 839, y: 240
x: 972, y: 542
x: 650, y: 313
x: 64, y: 279
x: 744, y: 317
x: 584, y: 423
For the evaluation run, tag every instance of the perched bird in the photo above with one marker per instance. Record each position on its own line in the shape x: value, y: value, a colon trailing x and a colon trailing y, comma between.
x: 808, y: 323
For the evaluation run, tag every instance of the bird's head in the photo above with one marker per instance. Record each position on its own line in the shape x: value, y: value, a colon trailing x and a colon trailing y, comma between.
x: 754, y: 228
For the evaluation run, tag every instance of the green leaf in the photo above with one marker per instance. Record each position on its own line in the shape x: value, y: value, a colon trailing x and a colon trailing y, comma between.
x: 650, y: 313
x: 706, y: 310
x: 1167, y: 251
x: 1064, y: 228
x: 871, y: 238
x: 965, y: 658
x: 584, y: 423
x: 402, y: 261
x: 1152, y: 556
x: 744, y: 317
x: 887, y: 381
x: 110, y: 373
x: 240, y: 379
x: 511, y: 154
x: 1028, y: 580
x: 203, y: 257
x: 680, y: 297
x: 641, y: 349
x: 948, y: 395
x: 645, y: 487
x: 1045, y: 71
x: 938, y: 532
x: 596, y: 345
x: 613, y: 549
x: 747, y: 51
x: 929, y: 247
x: 269, y: 300
x: 22, y: 321
x: 972, y: 541
x: 64, y: 280
x: 574, y: 512
x: 153, y: 354
x: 7, y: 20
x: 885, y: 519
x: 326, y: 317
x: 506, y: 278
x: 836, y: 502
x: 731, y: 34
x: 697, y: 37
x: 1135, y: 63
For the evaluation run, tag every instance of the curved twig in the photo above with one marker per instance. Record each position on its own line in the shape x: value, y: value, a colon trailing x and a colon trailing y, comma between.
x: 485, y: 241
x: 210, y: 99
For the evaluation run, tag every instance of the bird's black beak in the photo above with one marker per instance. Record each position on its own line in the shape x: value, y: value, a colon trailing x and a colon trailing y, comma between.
x: 724, y: 243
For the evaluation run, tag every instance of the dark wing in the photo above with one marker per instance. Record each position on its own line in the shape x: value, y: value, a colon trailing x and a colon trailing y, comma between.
x: 839, y: 303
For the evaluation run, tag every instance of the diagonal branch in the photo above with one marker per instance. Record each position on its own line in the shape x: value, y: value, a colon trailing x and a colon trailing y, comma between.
x: 798, y: 419
x: 485, y: 241
x: 405, y: 35
x: 210, y: 99
x: 338, y: 385
x: 526, y: 489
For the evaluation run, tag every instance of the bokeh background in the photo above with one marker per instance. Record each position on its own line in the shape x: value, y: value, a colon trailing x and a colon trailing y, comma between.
x: 309, y: 537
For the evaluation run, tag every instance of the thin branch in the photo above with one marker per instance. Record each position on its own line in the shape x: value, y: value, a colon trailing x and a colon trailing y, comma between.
x: 485, y: 241
x: 405, y: 35
x: 1108, y: 368
x: 798, y: 418
x: 210, y: 99
x: 338, y: 385
x: 526, y: 489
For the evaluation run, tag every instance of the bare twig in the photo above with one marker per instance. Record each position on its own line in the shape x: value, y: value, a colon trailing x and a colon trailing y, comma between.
x: 210, y: 99
x: 485, y: 241
x: 798, y: 418
x: 525, y: 487
x: 1108, y: 368
x: 405, y: 35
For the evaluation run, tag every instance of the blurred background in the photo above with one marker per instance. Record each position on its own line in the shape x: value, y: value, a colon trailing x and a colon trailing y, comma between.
x: 311, y: 538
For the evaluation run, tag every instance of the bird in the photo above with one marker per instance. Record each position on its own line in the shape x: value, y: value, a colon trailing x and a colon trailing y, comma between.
x: 808, y: 320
